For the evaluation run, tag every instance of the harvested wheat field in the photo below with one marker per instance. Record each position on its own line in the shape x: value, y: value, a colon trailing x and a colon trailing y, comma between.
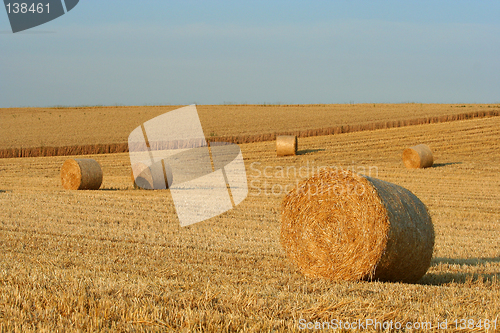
x: 31, y: 132
x: 116, y: 259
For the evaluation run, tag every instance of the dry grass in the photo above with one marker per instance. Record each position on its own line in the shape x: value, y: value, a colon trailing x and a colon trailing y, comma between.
x: 117, y: 260
x: 107, y: 128
x: 304, y: 132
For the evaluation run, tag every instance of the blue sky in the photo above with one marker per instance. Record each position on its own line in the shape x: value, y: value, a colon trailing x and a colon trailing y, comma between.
x: 214, y: 52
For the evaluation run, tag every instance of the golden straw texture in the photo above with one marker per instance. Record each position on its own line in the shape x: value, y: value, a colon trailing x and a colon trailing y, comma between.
x: 342, y: 226
x: 81, y: 174
x: 419, y: 156
x: 286, y: 145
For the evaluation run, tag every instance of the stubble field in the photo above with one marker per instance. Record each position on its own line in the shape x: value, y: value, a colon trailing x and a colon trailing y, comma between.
x: 117, y: 260
x: 55, y: 127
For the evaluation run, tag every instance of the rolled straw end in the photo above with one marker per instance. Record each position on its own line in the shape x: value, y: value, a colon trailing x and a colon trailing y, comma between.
x: 152, y: 177
x: 339, y: 225
x: 81, y: 174
x: 417, y: 157
x: 286, y: 145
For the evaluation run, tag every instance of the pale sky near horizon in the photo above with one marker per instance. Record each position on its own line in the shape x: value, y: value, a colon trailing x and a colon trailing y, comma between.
x: 289, y: 52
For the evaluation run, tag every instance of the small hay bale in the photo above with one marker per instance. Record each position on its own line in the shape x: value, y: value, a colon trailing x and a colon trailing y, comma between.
x: 286, y: 145
x: 151, y: 177
x: 339, y: 225
x: 419, y: 156
x: 81, y: 174
x: 141, y: 181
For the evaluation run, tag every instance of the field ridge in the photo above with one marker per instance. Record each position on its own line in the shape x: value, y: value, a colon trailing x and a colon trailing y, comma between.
x: 111, y: 148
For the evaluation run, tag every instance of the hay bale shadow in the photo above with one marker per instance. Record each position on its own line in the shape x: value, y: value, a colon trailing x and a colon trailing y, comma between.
x: 309, y: 151
x: 438, y: 165
x: 433, y: 279
x: 111, y: 189
x: 439, y: 279
x: 468, y: 262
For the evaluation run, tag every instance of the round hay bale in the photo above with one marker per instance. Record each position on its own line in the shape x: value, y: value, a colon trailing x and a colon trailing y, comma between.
x: 419, y: 156
x: 141, y: 181
x: 81, y: 174
x: 286, y: 145
x: 342, y: 226
x: 152, y: 177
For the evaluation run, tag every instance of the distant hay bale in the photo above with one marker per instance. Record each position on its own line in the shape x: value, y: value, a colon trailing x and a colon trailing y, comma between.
x: 151, y: 177
x: 81, y: 174
x: 342, y: 226
x: 141, y: 180
x: 286, y: 145
x: 419, y: 156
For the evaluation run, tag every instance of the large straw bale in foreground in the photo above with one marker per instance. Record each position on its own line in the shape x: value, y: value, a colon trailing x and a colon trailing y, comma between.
x: 286, y: 145
x: 342, y: 226
x: 81, y: 174
x: 419, y: 156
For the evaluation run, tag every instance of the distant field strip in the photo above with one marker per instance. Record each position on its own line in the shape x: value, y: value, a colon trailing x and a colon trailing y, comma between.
x: 238, y: 139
